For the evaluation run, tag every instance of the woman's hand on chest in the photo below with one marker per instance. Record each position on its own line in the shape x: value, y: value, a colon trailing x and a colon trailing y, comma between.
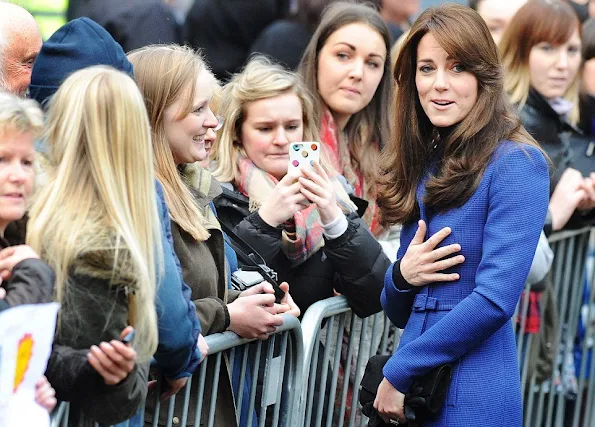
x: 423, y: 260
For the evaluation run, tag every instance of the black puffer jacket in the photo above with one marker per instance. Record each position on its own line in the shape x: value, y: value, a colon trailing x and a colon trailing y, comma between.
x: 352, y: 264
x: 564, y: 143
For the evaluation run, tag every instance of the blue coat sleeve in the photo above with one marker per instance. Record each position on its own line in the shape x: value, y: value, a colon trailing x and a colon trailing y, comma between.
x: 177, y: 354
x: 397, y: 303
x: 517, y: 204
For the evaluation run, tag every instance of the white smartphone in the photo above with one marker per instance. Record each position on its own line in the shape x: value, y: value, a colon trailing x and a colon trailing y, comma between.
x: 303, y: 153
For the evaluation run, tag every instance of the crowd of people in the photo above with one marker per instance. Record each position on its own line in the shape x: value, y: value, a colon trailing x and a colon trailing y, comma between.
x: 462, y: 139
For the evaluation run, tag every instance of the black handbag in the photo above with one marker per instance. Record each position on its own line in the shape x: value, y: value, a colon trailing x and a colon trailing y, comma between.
x: 422, y: 402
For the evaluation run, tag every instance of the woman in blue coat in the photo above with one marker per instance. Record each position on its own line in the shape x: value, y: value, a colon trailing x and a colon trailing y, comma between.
x: 470, y: 187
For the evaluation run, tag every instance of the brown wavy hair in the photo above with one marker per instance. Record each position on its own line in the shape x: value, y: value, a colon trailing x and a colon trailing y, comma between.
x: 467, y: 150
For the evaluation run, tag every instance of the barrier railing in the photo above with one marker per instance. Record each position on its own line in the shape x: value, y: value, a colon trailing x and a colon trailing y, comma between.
x: 566, y: 397
x: 281, y: 354
x: 319, y: 364
x: 337, y: 348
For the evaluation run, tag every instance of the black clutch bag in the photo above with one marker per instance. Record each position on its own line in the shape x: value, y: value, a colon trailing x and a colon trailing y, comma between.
x: 422, y: 402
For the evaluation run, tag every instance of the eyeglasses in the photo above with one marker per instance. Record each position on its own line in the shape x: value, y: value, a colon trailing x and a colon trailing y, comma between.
x: 219, y: 123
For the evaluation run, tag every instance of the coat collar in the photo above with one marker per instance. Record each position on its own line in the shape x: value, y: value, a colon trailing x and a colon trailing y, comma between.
x: 539, y: 103
x: 204, y: 189
x: 200, y: 181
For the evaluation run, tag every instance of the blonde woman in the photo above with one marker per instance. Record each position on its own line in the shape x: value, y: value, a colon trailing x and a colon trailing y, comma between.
x: 303, y: 224
x: 542, y: 77
x: 289, y: 217
x: 178, y: 88
x: 96, y: 225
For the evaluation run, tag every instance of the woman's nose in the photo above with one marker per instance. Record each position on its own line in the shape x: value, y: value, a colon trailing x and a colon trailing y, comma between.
x: 441, y: 80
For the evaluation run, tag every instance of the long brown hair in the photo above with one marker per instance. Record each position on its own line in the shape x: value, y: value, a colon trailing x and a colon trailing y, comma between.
x: 467, y: 150
x: 370, y: 125
x: 551, y: 21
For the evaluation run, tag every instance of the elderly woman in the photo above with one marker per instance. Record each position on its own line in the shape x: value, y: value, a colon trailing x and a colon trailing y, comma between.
x: 25, y: 278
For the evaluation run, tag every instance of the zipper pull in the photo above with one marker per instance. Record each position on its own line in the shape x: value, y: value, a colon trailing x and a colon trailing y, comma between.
x: 590, y: 149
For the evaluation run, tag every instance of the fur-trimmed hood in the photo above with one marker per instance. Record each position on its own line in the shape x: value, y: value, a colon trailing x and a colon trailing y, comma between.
x: 103, y: 257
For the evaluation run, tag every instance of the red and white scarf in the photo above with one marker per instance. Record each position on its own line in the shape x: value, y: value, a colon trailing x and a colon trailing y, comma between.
x: 340, y: 159
x: 302, y: 235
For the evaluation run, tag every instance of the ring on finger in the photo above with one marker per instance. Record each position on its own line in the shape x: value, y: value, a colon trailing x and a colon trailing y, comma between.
x: 394, y: 422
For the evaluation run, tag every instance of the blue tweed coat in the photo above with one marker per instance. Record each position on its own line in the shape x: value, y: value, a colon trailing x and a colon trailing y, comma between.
x: 467, y: 322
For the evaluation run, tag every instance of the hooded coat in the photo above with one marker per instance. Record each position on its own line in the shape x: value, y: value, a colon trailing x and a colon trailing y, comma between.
x: 79, y: 44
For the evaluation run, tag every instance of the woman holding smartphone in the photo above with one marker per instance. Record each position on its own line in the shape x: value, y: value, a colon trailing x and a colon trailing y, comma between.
x: 302, y: 222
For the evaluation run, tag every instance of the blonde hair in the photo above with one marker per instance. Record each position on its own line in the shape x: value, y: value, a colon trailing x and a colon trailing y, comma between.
x: 20, y: 115
x: 100, y: 196
x: 551, y: 21
x: 164, y: 74
x: 260, y: 79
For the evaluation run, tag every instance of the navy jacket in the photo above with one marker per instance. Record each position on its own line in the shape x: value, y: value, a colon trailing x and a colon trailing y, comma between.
x: 177, y: 354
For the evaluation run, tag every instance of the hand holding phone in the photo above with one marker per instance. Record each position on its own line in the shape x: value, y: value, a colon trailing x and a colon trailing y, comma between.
x: 127, y: 339
x: 303, y: 153
x: 114, y: 360
x: 247, y: 281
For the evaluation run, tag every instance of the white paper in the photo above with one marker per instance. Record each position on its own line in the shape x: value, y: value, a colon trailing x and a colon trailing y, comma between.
x: 26, y: 336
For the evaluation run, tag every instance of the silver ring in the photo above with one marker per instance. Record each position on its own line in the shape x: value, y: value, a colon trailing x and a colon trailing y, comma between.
x: 394, y: 422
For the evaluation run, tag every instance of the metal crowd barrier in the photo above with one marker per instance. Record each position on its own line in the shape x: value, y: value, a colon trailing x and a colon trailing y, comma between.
x: 566, y: 397
x: 321, y: 386
x: 337, y: 346
x: 279, y: 385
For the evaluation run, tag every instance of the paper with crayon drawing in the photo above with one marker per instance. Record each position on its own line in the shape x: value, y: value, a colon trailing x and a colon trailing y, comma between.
x: 26, y: 336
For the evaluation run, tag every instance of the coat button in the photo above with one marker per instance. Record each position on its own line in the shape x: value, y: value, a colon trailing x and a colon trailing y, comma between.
x: 176, y: 421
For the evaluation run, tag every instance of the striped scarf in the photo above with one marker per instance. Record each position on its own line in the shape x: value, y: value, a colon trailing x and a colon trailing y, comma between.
x: 302, y: 235
x: 340, y: 159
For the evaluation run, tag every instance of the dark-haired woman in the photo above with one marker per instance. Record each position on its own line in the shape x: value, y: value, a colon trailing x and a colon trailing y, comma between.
x: 471, y: 188
x: 347, y: 67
